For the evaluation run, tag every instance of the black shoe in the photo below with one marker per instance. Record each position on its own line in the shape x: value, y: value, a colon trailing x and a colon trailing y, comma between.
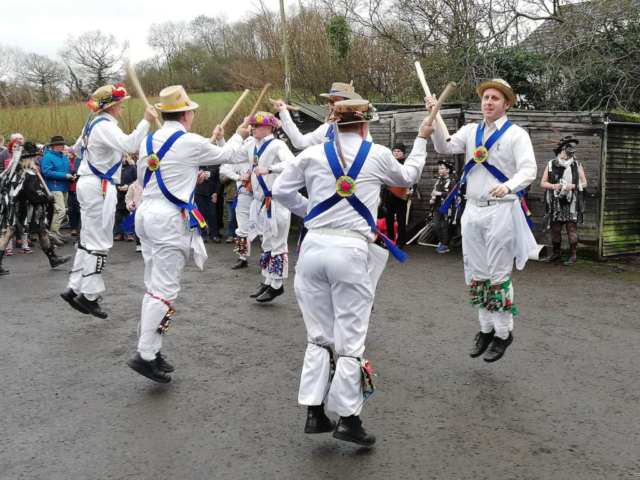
x: 148, y: 369
x: 91, y: 306
x: 573, y: 255
x: 350, y: 429
x: 555, y: 255
x: 68, y: 295
x: 482, y: 342
x: 239, y: 264
x: 317, y: 421
x: 163, y: 364
x: 55, y: 260
x: 205, y: 239
x: 497, y: 348
x: 263, y: 288
x: 270, y: 294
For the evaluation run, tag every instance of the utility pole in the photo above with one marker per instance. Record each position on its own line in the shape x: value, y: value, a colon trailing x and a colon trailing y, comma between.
x: 287, y: 74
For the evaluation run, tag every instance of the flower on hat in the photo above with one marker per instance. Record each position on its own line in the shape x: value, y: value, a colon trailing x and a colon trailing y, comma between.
x: 94, y: 105
x: 265, y: 121
x: 119, y: 92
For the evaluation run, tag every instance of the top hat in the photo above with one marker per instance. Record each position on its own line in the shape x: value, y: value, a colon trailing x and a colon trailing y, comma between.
x: 353, y: 111
x: 106, y: 96
x: 344, y: 90
x: 501, y: 85
x: 175, y: 99
x: 29, y: 149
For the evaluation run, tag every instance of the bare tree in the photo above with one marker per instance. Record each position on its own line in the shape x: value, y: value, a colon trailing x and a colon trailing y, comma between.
x: 43, y: 73
x: 96, y: 56
x: 212, y: 34
x: 168, y: 39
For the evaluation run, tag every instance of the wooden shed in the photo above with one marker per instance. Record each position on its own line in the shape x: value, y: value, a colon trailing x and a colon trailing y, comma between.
x: 609, y: 150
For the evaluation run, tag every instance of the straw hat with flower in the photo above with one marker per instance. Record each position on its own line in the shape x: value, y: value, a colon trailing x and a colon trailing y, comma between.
x: 264, y: 119
x: 106, y: 96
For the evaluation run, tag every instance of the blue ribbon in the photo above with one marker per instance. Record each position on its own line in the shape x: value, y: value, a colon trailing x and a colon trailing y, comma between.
x: 263, y: 185
x: 360, y: 207
x: 331, y: 134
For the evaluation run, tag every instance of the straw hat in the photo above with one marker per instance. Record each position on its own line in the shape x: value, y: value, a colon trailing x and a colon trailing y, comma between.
x: 175, y: 99
x: 264, y: 118
x: 353, y: 111
x: 344, y: 90
x: 106, y: 96
x: 501, y: 85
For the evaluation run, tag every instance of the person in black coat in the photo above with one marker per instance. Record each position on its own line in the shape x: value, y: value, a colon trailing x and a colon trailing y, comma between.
x: 396, y: 206
x: 128, y: 176
x: 205, y: 201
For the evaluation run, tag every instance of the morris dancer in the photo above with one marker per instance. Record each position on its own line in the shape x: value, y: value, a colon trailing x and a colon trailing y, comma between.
x: 495, y: 226
x: 25, y: 205
x: 565, y: 181
x: 241, y: 174
x: 269, y: 157
x: 339, y: 267
x: 167, y: 221
x: 101, y: 147
x: 325, y: 132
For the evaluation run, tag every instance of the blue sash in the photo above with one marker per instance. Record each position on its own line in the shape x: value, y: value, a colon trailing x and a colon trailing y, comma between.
x: 267, y: 193
x: 481, y: 157
x: 360, y: 207
x: 331, y: 134
x: 105, y: 177
x: 196, y: 220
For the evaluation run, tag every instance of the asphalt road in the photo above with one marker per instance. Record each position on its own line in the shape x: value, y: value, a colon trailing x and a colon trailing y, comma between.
x: 564, y: 402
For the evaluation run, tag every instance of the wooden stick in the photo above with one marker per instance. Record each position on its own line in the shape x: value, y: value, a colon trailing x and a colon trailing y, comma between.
x: 441, y: 125
x: 138, y: 88
x: 257, y: 105
x: 289, y: 107
x: 232, y: 111
x: 451, y: 86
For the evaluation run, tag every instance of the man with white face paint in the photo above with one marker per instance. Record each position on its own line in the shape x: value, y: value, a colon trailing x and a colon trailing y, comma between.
x: 495, y: 225
x: 325, y: 132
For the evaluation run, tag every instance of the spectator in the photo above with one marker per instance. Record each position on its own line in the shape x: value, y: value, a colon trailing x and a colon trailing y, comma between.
x: 128, y: 176
x: 21, y: 236
x: 395, y: 200
x: 133, y: 200
x: 56, y: 171
x: 205, y: 192
x: 72, y: 199
x: 441, y: 190
x: 230, y: 192
x: 5, y: 154
x: 9, y: 150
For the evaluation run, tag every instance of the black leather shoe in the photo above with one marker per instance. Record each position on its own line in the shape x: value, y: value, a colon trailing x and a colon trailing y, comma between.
x: 317, y: 421
x: 350, y: 429
x: 148, y: 369
x: 68, y: 295
x: 57, y: 260
x: 163, y: 364
x: 92, y: 306
x: 482, y: 342
x: 239, y: 264
x: 497, y: 348
x: 270, y: 294
x: 263, y: 288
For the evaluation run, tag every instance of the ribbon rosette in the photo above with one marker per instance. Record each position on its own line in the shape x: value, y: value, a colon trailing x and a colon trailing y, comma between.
x: 480, y: 154
x: 153, y: 162
x: 345, y: 186
x: 256, y: 159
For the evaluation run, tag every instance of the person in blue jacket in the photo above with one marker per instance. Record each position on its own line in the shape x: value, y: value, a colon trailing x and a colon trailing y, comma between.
x: 56, y: 171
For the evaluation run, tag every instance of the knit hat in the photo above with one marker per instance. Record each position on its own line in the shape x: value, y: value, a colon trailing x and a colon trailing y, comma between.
x: 399, y: 146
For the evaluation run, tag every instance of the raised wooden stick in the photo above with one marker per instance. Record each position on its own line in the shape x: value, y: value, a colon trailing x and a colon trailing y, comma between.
x: 257, y: 105
x: 289, y: 107
x: 232, y: 111
x: 448, y: 90
x: 138, y: 88
x: 441, y: 125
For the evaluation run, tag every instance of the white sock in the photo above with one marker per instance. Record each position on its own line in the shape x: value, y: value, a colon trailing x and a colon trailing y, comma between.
x: 267, y: 281
x: 276, y: 283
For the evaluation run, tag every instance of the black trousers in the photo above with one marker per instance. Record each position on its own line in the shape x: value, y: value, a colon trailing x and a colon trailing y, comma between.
x: 397, y: 208
x: 441, y: 226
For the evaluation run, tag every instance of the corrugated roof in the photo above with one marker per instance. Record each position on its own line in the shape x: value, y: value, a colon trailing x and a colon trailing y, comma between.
x: 317, y: 112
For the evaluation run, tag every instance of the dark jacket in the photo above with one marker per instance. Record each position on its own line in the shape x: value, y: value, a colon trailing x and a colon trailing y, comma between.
x: 55, y: 167
x: 128, y: 176
x: 212, y: 184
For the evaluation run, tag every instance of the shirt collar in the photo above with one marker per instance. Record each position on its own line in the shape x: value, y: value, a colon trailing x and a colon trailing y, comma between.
x: 108, y: 116
x: 498, y: 123
x: 174, y: 125
x: 265, y: 139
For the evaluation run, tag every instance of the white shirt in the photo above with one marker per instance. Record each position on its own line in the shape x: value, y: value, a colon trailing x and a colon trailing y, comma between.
x: 180, y: 165
x: 107, y: 145
x: 311, y: 169
x: 233, y: 172
x: 277, y: 156
x: 300, y: 141
x: 512, y: 154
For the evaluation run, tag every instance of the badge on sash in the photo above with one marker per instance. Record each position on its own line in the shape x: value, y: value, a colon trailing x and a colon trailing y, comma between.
x: 345, y: 186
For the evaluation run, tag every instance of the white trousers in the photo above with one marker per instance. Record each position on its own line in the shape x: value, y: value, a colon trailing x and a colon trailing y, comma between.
x: 489, y: 249
x: 243, y: 211
x: 335, y: 294
x: 93, y: 237
x: 166, y: 241
x: 277, y: 243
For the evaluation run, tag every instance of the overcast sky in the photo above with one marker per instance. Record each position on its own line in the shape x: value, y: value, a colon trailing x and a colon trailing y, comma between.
x: 42, y: 26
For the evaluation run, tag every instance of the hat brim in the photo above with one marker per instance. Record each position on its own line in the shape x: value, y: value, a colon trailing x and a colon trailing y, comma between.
x: 186, y: 108
x: 375, y: 118
x: 127, y: 97
x: 346, y: 95
x: 511, y: 96
x: 62, y: 142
